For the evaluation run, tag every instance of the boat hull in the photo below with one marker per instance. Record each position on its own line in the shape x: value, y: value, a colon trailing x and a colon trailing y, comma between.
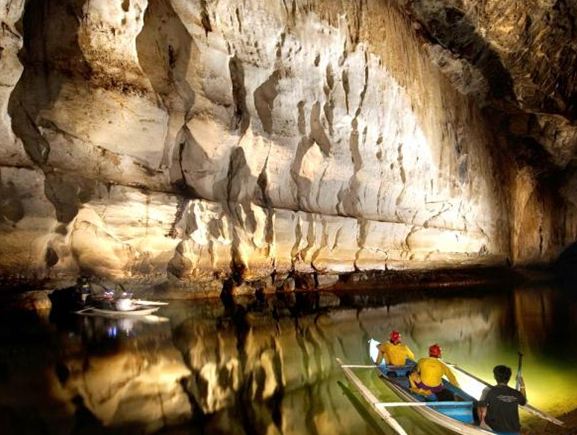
x: 456, y: 416
x: 139, y: 312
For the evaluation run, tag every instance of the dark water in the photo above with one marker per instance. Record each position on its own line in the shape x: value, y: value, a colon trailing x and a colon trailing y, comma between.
x: 268, y: 365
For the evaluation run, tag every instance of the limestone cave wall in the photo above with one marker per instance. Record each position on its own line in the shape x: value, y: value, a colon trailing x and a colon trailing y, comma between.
x: 189, y: 140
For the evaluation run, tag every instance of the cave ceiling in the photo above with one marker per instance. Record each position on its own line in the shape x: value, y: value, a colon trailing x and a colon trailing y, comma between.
x: 518, y: 59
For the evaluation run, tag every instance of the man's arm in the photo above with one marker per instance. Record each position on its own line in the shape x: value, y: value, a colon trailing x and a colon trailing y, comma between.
x: 481, y: 412
x: 381, y: 355
x: 522, y: 390
x: 449, y: 373
x: 410, y: 354
x: 482, y: 406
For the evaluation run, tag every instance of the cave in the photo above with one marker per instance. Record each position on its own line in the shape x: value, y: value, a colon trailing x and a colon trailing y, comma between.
x: 203, y: 150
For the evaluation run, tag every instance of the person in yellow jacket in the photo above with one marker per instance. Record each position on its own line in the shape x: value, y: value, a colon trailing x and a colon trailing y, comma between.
x: 394, y: 352
x: 427, y: 378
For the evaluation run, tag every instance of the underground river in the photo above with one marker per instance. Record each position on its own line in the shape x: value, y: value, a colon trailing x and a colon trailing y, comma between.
x: 267, y: 365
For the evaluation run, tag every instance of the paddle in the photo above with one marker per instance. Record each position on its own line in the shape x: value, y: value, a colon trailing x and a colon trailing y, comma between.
x: 359, y: 366
x: 416, y: 404
x: 519, y: 377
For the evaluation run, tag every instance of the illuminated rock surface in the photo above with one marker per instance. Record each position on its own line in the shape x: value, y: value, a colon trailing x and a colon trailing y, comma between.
x: 188, y: 140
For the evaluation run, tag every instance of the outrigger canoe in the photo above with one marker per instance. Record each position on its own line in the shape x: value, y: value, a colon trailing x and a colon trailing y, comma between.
x: 458, y: 416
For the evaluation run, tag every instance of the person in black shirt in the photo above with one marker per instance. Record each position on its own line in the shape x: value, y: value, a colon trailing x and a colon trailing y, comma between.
x: 499, y: 405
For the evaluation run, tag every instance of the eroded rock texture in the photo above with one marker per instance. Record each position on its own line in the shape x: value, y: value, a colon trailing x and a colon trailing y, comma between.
x: 188, y: 140
x: 518, y: 59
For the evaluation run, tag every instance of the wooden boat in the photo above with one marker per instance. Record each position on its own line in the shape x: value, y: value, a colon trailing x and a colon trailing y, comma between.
x: 136, y: 312
x: 458, y: 416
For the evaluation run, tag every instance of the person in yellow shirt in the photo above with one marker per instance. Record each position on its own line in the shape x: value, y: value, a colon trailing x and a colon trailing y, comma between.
x: 394, y: 352
x: 427, y: 378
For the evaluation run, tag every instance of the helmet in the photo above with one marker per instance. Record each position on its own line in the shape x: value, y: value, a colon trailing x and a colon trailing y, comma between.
x: 435, y: 350
x: 395, y: 336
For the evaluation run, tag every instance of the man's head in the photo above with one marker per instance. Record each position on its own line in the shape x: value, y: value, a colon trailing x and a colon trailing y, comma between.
x: 435, y: 351
x: 395, y: 337
x: 502, y: 374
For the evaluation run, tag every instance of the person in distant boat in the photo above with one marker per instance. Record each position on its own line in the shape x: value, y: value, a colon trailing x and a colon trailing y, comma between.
x: 67, y: 300
x: 83, y: 288
x: 499, y: 405
x: 427, y: 378
x: 394, y: 352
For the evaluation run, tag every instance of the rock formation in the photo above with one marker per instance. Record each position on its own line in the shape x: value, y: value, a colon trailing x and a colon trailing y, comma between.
x: 189, y: 141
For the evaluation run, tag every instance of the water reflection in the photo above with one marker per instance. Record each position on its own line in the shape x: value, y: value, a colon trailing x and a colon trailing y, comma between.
x: 267, y: 365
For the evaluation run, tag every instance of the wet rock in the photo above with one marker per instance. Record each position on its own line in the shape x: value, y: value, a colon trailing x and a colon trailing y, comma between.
x: 288, y: 285
x: 243, y: 289
x: 325, y: 281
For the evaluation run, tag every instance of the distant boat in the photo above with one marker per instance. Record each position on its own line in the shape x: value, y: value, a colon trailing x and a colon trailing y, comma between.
x: 121, y: 307
x: 136, y: 312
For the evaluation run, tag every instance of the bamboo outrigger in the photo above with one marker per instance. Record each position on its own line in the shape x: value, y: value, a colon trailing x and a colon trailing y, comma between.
x: 372, y: 400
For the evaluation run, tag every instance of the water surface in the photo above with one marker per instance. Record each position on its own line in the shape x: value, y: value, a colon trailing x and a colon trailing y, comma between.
x: 267, y: 365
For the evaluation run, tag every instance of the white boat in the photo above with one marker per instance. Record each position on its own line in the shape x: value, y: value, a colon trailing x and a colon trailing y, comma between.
x: 136, y: 312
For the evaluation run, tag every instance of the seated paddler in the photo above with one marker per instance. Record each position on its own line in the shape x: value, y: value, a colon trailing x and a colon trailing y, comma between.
x: 427, y: 378
x: 394, y: 352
